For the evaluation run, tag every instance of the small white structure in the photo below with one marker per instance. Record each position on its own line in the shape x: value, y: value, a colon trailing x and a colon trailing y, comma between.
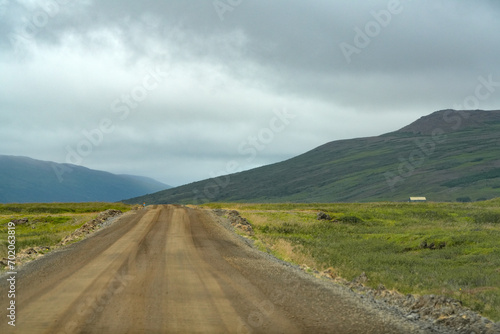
x: 417, y: 199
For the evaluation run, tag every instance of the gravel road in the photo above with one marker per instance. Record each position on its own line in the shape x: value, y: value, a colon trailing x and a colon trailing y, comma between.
x: 173, y: 269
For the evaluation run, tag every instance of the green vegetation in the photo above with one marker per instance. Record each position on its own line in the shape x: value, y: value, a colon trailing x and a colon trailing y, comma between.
x: 54, y: 208
x: 450, y: 249
x: 48, y: 223
x: 492, y: 174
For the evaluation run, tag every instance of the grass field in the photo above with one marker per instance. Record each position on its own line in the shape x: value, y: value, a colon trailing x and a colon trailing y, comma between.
x: 47, y: 224
x: 450, y: 249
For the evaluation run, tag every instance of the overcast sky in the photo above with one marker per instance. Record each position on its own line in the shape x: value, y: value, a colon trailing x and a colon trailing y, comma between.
x: 184, y: 90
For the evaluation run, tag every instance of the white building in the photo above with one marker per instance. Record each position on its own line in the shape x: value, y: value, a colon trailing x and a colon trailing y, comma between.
x: 417, y: 199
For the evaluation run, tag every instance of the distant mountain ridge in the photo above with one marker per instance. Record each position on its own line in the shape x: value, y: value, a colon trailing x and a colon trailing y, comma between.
x: 26, y: 180
x: 448, y: 155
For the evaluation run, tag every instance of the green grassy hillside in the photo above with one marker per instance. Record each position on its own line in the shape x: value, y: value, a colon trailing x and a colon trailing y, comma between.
x: 443, y: 156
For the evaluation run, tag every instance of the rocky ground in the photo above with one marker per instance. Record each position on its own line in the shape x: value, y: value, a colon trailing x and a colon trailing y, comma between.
x: 236, y: 220
x: 439, y: 313
x: 102, y: 220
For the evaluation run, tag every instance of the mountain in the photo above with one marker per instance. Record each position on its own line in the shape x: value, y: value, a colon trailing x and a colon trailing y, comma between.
x: 25, y: 180
x: 448, y: 155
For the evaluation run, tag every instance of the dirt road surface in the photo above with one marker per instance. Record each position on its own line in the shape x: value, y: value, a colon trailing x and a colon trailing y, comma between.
x: 173, y: 269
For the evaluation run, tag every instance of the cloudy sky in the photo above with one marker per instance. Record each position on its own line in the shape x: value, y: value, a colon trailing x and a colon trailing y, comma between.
x: 183, y: 90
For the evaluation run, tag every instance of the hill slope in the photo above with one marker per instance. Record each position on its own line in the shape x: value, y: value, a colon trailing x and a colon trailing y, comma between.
x: 443, y: 156
x: 25, y: 180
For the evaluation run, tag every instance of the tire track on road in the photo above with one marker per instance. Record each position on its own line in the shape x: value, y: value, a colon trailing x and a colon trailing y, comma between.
x: 173, y: 269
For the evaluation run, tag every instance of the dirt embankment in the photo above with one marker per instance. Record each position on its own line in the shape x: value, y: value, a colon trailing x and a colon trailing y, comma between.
x: 102, y: 219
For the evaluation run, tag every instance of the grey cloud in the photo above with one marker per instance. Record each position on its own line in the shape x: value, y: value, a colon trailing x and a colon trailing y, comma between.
x: 225, y: 77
